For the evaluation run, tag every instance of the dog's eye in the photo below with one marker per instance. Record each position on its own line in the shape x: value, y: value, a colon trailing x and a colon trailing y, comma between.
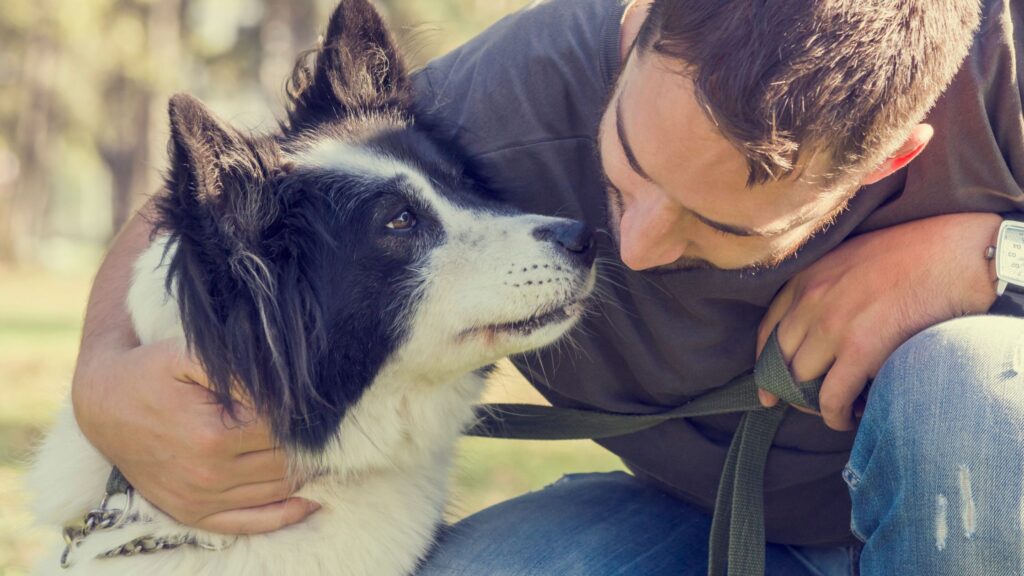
x: 406, y: 220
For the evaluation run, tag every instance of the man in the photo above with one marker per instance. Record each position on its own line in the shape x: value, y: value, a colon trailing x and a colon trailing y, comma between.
x: 752, y: 162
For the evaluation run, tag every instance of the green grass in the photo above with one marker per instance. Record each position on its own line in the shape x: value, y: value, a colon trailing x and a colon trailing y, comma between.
x: 40, y: 318
x: 40, y: 321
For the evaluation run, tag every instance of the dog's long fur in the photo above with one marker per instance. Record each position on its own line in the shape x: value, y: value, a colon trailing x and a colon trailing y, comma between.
x: 348, y: 277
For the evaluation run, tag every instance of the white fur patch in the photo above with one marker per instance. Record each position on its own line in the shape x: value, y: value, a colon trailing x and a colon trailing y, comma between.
x: 333, y: 154
x: 382, y: 480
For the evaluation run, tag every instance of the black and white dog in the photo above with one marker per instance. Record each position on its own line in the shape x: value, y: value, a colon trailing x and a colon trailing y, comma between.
x: 350, y: 279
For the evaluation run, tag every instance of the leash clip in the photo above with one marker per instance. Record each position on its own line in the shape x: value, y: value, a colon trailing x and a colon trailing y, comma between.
x: 112, y: 512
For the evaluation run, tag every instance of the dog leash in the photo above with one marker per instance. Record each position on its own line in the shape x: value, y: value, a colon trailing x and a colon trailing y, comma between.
x: 737, y: 543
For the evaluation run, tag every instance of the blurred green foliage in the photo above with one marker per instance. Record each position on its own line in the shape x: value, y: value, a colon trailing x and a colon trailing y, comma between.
x: 84, y: 86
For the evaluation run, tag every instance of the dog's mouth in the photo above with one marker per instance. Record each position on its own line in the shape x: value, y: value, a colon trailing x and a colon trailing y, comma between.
x: 527, y: 326
x: 533, y: 323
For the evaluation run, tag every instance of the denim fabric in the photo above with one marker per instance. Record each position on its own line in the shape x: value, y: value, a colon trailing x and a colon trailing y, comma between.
x: 937, y: 470
x: 600, y: 525
x: 936, y: 478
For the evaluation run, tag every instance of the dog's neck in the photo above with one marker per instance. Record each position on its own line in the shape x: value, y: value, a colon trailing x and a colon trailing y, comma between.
x: 397, y: 425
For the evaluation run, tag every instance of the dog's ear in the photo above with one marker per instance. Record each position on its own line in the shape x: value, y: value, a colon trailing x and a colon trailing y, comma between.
x: 218, y: 176
x: 207, y: 156
x: 223, y: 208
x: 356, y: 69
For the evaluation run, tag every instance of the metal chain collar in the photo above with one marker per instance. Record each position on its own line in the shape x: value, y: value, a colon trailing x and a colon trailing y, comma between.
x: 114, y: 512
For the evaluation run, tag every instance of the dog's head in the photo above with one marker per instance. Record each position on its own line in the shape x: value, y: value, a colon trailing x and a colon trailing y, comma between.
x: 309, y: 262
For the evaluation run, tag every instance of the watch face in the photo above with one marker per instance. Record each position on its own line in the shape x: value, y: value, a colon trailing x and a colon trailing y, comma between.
x: 1010, y: 254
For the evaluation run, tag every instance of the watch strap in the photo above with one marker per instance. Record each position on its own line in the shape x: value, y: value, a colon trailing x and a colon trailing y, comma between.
x: 1010, y: 303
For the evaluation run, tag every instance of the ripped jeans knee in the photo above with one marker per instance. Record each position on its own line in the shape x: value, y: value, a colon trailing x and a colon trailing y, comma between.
x: 936, y: 475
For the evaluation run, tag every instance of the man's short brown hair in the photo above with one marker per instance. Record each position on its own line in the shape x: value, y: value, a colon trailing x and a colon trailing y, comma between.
x: 844, y: 77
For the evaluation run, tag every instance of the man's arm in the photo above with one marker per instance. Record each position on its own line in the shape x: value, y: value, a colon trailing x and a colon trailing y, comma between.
x: 146, y: 410
x: 847, y: 313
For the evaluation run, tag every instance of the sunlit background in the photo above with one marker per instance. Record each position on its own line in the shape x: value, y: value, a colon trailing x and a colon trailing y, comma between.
x: 83, y: 92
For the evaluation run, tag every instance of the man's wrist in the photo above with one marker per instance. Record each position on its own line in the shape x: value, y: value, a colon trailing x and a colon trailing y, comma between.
x: 975, y: 268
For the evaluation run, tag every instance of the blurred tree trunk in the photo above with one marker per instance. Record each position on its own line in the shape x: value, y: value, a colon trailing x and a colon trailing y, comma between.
x: 171, y: 62
x: 126, y: 148
x: 7, y: 249
x: 29, y: 197
x: 286, y: 29
x: 134, y: 113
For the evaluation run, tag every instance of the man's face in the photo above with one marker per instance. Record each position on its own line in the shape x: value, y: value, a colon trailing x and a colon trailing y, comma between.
x: 677, y: 189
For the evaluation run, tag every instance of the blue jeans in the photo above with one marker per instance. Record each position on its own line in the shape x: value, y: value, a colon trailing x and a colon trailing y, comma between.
x: 936, y: 478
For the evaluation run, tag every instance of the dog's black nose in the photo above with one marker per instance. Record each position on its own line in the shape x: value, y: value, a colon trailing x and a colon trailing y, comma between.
x: 575, y: 238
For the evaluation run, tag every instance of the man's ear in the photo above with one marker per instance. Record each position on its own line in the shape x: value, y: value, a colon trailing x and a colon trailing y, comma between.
x: 919, y: 137
x: 356, y: 69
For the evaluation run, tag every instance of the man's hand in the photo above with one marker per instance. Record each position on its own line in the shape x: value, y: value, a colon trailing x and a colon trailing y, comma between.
x: 846, y: 314
x: 146, y: 409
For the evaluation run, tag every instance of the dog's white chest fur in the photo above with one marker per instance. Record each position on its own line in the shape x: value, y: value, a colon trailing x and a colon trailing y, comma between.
x: 381, y: 499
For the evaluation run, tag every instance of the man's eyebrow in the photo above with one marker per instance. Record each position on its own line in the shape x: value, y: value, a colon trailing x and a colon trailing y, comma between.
x: 727, y: 228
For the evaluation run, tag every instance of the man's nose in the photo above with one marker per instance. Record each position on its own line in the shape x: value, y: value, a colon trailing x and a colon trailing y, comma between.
x: 648, y: 242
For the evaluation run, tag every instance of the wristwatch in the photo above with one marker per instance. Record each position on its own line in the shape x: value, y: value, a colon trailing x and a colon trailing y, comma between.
x: 1009, y: 256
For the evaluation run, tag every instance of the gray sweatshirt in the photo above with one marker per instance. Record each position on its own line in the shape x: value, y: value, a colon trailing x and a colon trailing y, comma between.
x: 525, y: 98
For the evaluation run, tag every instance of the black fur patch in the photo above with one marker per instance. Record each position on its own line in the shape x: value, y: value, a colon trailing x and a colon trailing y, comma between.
x: 292, y: 290
x: 355, y: 70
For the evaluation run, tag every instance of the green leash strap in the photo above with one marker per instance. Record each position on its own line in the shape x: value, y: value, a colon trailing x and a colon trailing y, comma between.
x: 533, y: 422
x: 737, y: 544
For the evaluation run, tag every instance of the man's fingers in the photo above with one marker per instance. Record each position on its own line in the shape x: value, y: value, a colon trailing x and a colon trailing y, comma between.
x: 259, y: 520
x: 181, y: 364
x: 793, y: 331
x: 790, y: 340
x: 814, y: 357
x: 194, y: 507
x: 249, y: 434
x: 256, y: 495
x: 843, y: 385
x: 768, y: 400
x: 220, y: 433
x: 805, y: 410
x: 260, y: 466
x: 776, y: 311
